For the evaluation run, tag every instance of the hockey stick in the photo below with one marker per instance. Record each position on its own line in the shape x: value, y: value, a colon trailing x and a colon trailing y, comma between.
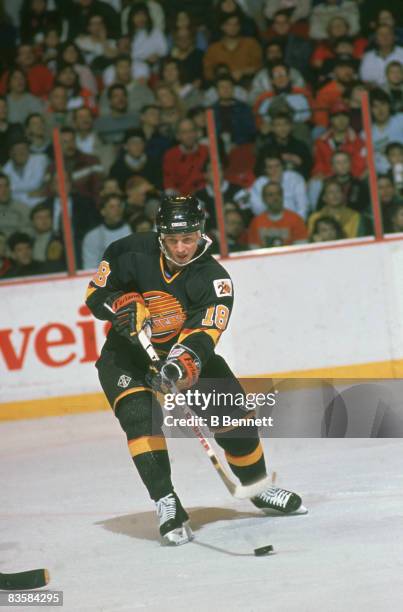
x: 32, y: 579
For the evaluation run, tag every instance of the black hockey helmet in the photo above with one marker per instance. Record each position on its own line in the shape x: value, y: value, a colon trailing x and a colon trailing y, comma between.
x: 180, y: 215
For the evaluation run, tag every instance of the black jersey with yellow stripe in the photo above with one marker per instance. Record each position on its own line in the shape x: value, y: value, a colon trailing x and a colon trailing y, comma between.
x: 191, y: 306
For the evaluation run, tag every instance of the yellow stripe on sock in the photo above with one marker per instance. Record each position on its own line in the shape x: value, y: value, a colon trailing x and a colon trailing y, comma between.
x: 129, y: 392
x: 245, y: 460
x: 146, y: 444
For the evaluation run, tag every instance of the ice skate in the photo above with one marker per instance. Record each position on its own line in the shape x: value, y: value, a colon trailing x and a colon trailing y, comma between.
x: 173, y: 520
x: 275, y: 501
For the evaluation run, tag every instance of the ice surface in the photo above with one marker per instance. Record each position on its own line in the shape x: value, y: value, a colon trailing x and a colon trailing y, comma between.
x: 70, y: 500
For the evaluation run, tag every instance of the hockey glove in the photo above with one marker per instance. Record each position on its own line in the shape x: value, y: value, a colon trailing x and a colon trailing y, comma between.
x: 178, y: 372
x: 131, y: 315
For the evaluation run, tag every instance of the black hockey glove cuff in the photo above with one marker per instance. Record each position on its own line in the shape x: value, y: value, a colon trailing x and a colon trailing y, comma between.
x: 180, y: 370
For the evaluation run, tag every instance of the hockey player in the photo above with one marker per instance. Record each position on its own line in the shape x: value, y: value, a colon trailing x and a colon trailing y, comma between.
x: 168, y: 280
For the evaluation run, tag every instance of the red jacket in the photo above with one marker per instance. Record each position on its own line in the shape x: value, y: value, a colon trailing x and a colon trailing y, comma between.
x: 325, y: 146
x: 40, y: 81
x: 184, y: 172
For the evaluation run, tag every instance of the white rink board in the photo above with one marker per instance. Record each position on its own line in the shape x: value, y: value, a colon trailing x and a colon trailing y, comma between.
x: 298, y: 311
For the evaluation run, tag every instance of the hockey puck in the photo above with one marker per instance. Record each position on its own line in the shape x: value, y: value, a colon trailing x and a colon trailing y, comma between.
x: 263, y: 550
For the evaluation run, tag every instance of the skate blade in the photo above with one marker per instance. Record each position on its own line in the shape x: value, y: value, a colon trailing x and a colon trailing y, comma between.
x: 272, y: 512
x: 179, y: 536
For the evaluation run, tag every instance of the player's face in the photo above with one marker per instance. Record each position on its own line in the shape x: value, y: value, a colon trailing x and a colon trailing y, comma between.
x: 181, y: 247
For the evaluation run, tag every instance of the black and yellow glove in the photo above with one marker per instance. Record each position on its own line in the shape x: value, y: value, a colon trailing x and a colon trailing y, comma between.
x: 131, y: 315
x: 179, y: 371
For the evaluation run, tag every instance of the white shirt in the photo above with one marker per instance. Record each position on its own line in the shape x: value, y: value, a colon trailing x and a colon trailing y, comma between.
x: 146, y: 43
x: 373, y: 66
x: 97, y: 240
x: 294, y: 193
x: 381, y: 137
x: 27, y: 179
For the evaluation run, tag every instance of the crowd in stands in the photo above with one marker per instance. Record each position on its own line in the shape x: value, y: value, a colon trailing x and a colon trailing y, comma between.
x: 127, y: 83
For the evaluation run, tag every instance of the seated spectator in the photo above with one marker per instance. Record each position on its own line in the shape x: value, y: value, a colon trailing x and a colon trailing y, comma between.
x: 138, y: 192
x: 39, y: 77
x: 156, y: 12
x: 113, y: 227
x: 20, y: 103
x: 340, y: 137
x: 23, y: 262
x: 228, y: 190
x: 333, y: 204
x: 298, y: 9
x: 271, y: 169
x: 211, y: 94
x: 8, y: 130
x: 134, y: 161
x: 14, y: 216
x: 325, y: 11
x: 77, y: 96
x: 296, y: 97
x: 326, y: 229
x: 109, y: 185
x: 356, y: 191
x: 189, y: 55
x: 171, y: 109
x: 148, y: 43
x: 57, y: 112
x: 26, y: 172
x: 85, y: 171
x: 69, y: 53
x: 47, y: 245
x: 397, y: 218
x: 235, y: 230
x: 111, y: 126
x: 5, y: 261
x: 294, y: 153
x: 37, y: 134
x: 36, y: 18
x: 388, y: 199
x: 96, y: 46
x: 394, y: 155
x: 172, y: 75
x: 88, y: 141
x: 277, y: 226
x: 374, y: 63
x: 297, y: 50
x: 387, y: 17
x: 241, y: 54
x: 183, y: 165
x: 386, y: 127
x: 344, y: 76
x: 394, y: 85
x: 352, y: 97
x: 80, y: 12
x: 142, y: 224
x: 133, y: 75
x: 273, y: 55
x: 231, y: 7
x: 156, y: 143
x: 234, y: 119
x: 49, y: 48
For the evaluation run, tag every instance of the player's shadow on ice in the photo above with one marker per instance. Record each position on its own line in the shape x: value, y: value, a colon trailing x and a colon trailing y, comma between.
x: 143, y: 525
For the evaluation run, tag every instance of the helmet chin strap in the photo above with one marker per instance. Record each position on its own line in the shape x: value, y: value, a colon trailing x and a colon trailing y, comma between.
x: 203, y: 237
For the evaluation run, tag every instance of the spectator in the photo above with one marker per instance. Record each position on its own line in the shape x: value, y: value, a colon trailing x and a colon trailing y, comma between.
x: 20, y: 103
x: 5, y: 261
x: 69, y: 53
x: 85, y: 171
x: 142, y: 224
x: 374, y: 63
x: 183, y: 21
x: 47, y: 246
x: 294, y: 153
x: 134, y: 161
x: 270, y: 169
x: 38, y: 76
x: 133, y: 75
x: 183, y: 165
x: 156, y: 143
x: 344, y: 76
x: 298, y: 9
x: 211, y: 94
x: 36, y: 18
x: 57, y: 112
x: 138, y: 191
x: 172, y: 75
x: 50, y: 48
x: 234, y: 119
x: 14, y: 216
x: 156, y: 12
x: 388, y: 199
x: 277, y: 226
x: 397, y: 218
x: 296, y: 50
x: 394, y: 85
x: 242, y: 54
x: 340, y: 137
x: 112, y: 126
x: 190, y: 56
x: 7, y: 130
x: 326, y: 229
x: 148, y: 43
x: 231, y: 7
x: 88, y: 141
x: 77, y: 96
x: 23, y: 263
x: 36, y: 134
x: 386, y: 127
x: 26, y: 172
x: 394, y: 155
x: 113, y: 227
x: 235, y: 230
x: 325, y: 11
x: 95, y: 45
x: 81, y: 11
x: 352, y: 97
x: 171, y: 109
x: 273, y: 55
x: 109, y: 185
x: 333, y: 204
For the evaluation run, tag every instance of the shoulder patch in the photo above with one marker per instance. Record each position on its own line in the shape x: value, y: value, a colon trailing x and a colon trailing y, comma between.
x: 223, y: 287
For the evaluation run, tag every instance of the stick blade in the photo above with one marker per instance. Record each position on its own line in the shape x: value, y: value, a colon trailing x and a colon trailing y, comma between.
x: 32, y: 579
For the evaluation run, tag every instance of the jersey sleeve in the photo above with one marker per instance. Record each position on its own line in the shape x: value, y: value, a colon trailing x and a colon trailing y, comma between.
x: 211, y: 297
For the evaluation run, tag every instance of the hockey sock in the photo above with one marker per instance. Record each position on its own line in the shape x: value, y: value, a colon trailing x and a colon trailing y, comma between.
x: 244, y: 455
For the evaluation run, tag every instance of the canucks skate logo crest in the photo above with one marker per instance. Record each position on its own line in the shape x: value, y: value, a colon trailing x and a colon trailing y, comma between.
x: 124, y: 381
x: 167, y: 315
